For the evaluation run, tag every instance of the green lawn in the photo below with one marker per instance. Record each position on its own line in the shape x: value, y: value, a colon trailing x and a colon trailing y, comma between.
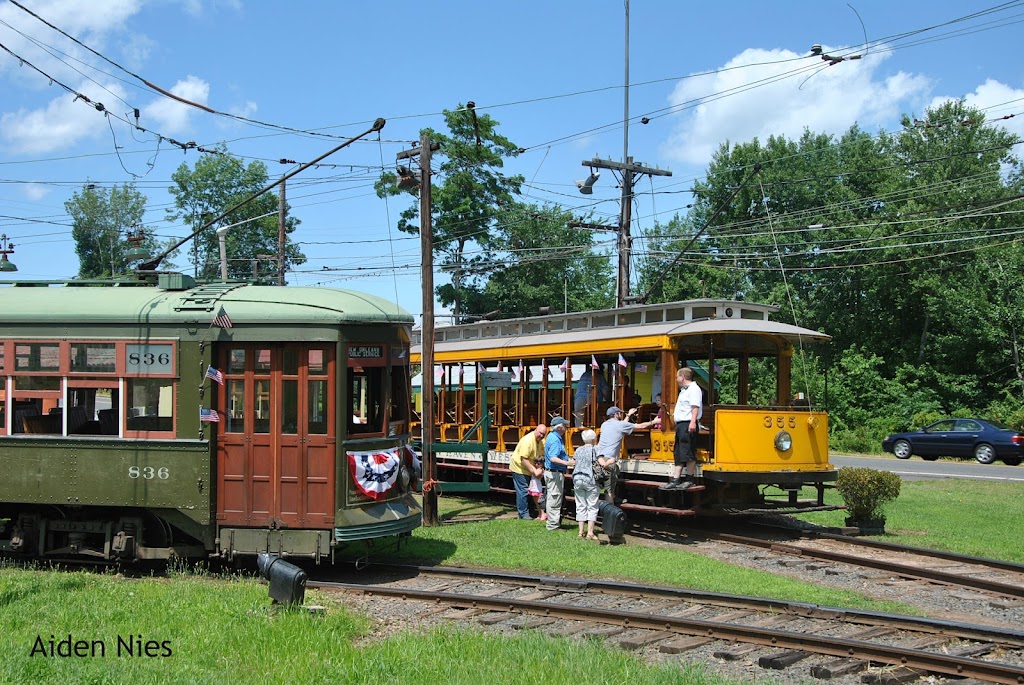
x: 223, y: 630
x: 964, y: 516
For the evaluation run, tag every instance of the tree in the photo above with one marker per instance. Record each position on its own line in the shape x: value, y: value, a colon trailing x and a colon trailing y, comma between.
x: 467, y: 196
x: 217, y: 182
x: 537, y: 261
x: 100, y: 220
x: 902, y: 245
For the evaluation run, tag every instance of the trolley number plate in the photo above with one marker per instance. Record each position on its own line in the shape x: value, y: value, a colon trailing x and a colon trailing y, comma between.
x: 149, y: 359
x: 779, y: 421
x: 149, y: 472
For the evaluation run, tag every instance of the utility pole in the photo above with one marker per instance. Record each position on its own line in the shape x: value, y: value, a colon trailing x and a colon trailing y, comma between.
x: 629, y: 172
x: 430, y: 517
x: 281, y: 216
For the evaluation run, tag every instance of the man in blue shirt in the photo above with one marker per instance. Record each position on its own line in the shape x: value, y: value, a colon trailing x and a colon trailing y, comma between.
x: 556, y: 463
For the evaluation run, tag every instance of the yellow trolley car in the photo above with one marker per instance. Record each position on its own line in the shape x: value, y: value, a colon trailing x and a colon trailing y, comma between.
x: 760, y: 441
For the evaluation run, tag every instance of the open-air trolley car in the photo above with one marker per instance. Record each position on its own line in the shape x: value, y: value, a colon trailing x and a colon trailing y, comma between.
x: 760, y: 442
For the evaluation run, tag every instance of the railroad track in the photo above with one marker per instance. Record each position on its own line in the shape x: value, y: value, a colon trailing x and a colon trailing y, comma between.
x: 830, y: 642
x: 994, y: 576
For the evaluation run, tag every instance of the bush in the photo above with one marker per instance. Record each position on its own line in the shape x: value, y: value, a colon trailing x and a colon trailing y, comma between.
x: 866, y: 490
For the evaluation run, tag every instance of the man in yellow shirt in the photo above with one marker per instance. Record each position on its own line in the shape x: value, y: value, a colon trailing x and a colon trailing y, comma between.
x: 523, y: 466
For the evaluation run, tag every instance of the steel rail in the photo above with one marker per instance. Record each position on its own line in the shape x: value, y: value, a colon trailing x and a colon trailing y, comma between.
x: 964, y: 631
x: 995, y: 672
x: 993, y: 586
x: 936, y: 553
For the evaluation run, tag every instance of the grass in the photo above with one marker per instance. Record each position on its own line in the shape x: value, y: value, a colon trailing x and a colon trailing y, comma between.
x: 511, y: 543
x: 224, y: 632
x: 965, y: 516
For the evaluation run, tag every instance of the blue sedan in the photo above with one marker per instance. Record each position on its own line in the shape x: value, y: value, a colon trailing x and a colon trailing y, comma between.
x: 983, y: 440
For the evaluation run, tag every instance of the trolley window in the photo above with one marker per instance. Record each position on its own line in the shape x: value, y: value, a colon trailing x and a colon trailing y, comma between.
x: 37, y: 357
x: 93, y: 358
x: 150, y: 407
x: 400, y: 403
x: 367, y: 367
x: 317, y: 404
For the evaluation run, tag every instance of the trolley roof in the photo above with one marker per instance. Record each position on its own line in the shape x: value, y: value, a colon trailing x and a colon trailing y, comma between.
x: 648, y: 327
x: 179, y: 301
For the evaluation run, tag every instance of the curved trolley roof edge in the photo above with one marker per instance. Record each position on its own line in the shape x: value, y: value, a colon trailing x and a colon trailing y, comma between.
x: 651, y: 327
x: 179, y: 301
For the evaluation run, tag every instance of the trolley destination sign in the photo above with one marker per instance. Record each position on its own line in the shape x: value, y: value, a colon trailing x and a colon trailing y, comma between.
x: 366, y: 351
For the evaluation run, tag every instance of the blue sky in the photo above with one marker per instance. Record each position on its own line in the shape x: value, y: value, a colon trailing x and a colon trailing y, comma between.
x: 550, y: 72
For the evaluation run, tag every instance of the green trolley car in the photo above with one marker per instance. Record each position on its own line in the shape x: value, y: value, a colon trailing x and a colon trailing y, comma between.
x: 147, y: 420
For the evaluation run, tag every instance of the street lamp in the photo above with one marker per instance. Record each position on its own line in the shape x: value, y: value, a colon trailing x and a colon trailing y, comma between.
x: 407, y: 179
x: 6, y: 248
x: 586, y: 186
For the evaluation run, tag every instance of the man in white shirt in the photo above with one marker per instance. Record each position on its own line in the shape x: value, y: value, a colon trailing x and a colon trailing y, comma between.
x: 689, y: 407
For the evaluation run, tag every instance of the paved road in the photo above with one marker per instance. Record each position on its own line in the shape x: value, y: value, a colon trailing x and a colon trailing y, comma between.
x: 917, y: 469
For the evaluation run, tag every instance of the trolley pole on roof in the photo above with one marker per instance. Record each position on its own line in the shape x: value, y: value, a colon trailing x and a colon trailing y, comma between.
x: 430, y: 517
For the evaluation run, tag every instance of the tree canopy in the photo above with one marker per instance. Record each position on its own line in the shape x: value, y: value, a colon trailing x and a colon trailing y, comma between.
x: 538, y: 261
x: 217, y: 182
x: 499, y: 253
x: 903, y: 246
x: 101, y: 220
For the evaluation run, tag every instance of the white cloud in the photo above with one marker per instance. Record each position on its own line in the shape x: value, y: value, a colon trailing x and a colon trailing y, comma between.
x: 247, y: 110
x: 796, y: 94
x: 35, y: 191
x: 87, y: 20
x: 63, y: 122
x: 996, y: 100
x: 168, y: 116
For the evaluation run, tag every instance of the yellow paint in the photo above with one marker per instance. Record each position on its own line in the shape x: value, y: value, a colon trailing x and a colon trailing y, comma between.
x: 577, y: 350
x: 745, y: 440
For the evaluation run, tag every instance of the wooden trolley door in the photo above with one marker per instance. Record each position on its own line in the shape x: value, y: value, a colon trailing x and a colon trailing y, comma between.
x: 276, y: 440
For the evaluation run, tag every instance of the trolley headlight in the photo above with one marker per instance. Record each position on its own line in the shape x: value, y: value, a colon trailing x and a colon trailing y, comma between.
x: 783, y: 441
x: 404, y: 477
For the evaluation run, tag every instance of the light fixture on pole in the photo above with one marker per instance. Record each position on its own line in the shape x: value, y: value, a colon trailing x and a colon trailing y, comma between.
x: 407, y: 180
x: 586, y: 186
x: 136, y: 236
x: 6, y: 248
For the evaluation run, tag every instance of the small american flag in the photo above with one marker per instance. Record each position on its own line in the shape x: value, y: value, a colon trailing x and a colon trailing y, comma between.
x: 564, y: 365
x: 593, y: 363
x: 222, y: 320
x: 641, y: 368
x: 215, y: 374
x: 208, y: 415
x: 622, y: 361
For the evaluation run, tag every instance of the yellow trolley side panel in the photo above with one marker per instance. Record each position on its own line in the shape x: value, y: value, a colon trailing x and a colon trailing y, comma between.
x: 745, y: 440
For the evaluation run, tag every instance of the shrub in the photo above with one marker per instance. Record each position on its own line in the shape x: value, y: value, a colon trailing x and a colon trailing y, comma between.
x: 866, y: 490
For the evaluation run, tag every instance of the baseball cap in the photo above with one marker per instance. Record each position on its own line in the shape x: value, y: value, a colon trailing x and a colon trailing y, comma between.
x: 612, y: 411
x: 559, y: 421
